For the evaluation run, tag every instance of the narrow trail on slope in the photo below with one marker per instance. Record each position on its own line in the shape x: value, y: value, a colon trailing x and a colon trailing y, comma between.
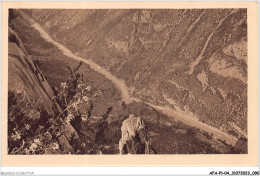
x: 125, y: 90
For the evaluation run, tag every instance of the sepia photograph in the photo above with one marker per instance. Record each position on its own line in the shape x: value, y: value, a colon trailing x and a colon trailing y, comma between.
x: 128, y: 81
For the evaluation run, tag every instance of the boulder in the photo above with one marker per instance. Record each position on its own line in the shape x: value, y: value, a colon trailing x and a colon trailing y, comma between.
x: 135, y: 138
x: 68, y: 134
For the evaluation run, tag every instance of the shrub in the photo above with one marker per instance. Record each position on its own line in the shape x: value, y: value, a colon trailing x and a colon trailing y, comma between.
x: 27, y: 135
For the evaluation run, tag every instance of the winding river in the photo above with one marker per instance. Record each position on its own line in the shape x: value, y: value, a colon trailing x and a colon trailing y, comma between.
x: 119, y: 83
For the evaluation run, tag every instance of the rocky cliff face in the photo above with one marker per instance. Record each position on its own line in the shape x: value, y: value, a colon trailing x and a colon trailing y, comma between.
x: 194, y: 61
x: 35, y: 96
x: 25, y: 78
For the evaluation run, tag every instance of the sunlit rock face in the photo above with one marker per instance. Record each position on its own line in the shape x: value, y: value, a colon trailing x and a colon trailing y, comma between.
x: 194, y: 61
x: 135, y: 139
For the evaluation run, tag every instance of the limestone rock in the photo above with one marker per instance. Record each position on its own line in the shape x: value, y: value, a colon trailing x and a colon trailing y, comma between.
x: 68, y: 134
x: 135, y: 139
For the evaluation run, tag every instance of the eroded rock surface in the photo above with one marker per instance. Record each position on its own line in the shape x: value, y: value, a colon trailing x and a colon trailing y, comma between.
x: 25, y: 78
x: 135, y: 139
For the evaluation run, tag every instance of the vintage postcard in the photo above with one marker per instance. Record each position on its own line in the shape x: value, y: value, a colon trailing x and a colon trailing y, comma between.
x: 129, y: 83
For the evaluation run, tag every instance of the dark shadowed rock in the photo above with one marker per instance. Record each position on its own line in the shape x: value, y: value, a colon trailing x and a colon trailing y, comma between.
x: 25, y: 78
x: 68, y: 134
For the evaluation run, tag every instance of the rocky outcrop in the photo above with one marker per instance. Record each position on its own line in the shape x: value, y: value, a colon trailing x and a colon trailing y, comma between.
x: 68, y: 134
x: 25, y: 78
x: 135, y: 139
